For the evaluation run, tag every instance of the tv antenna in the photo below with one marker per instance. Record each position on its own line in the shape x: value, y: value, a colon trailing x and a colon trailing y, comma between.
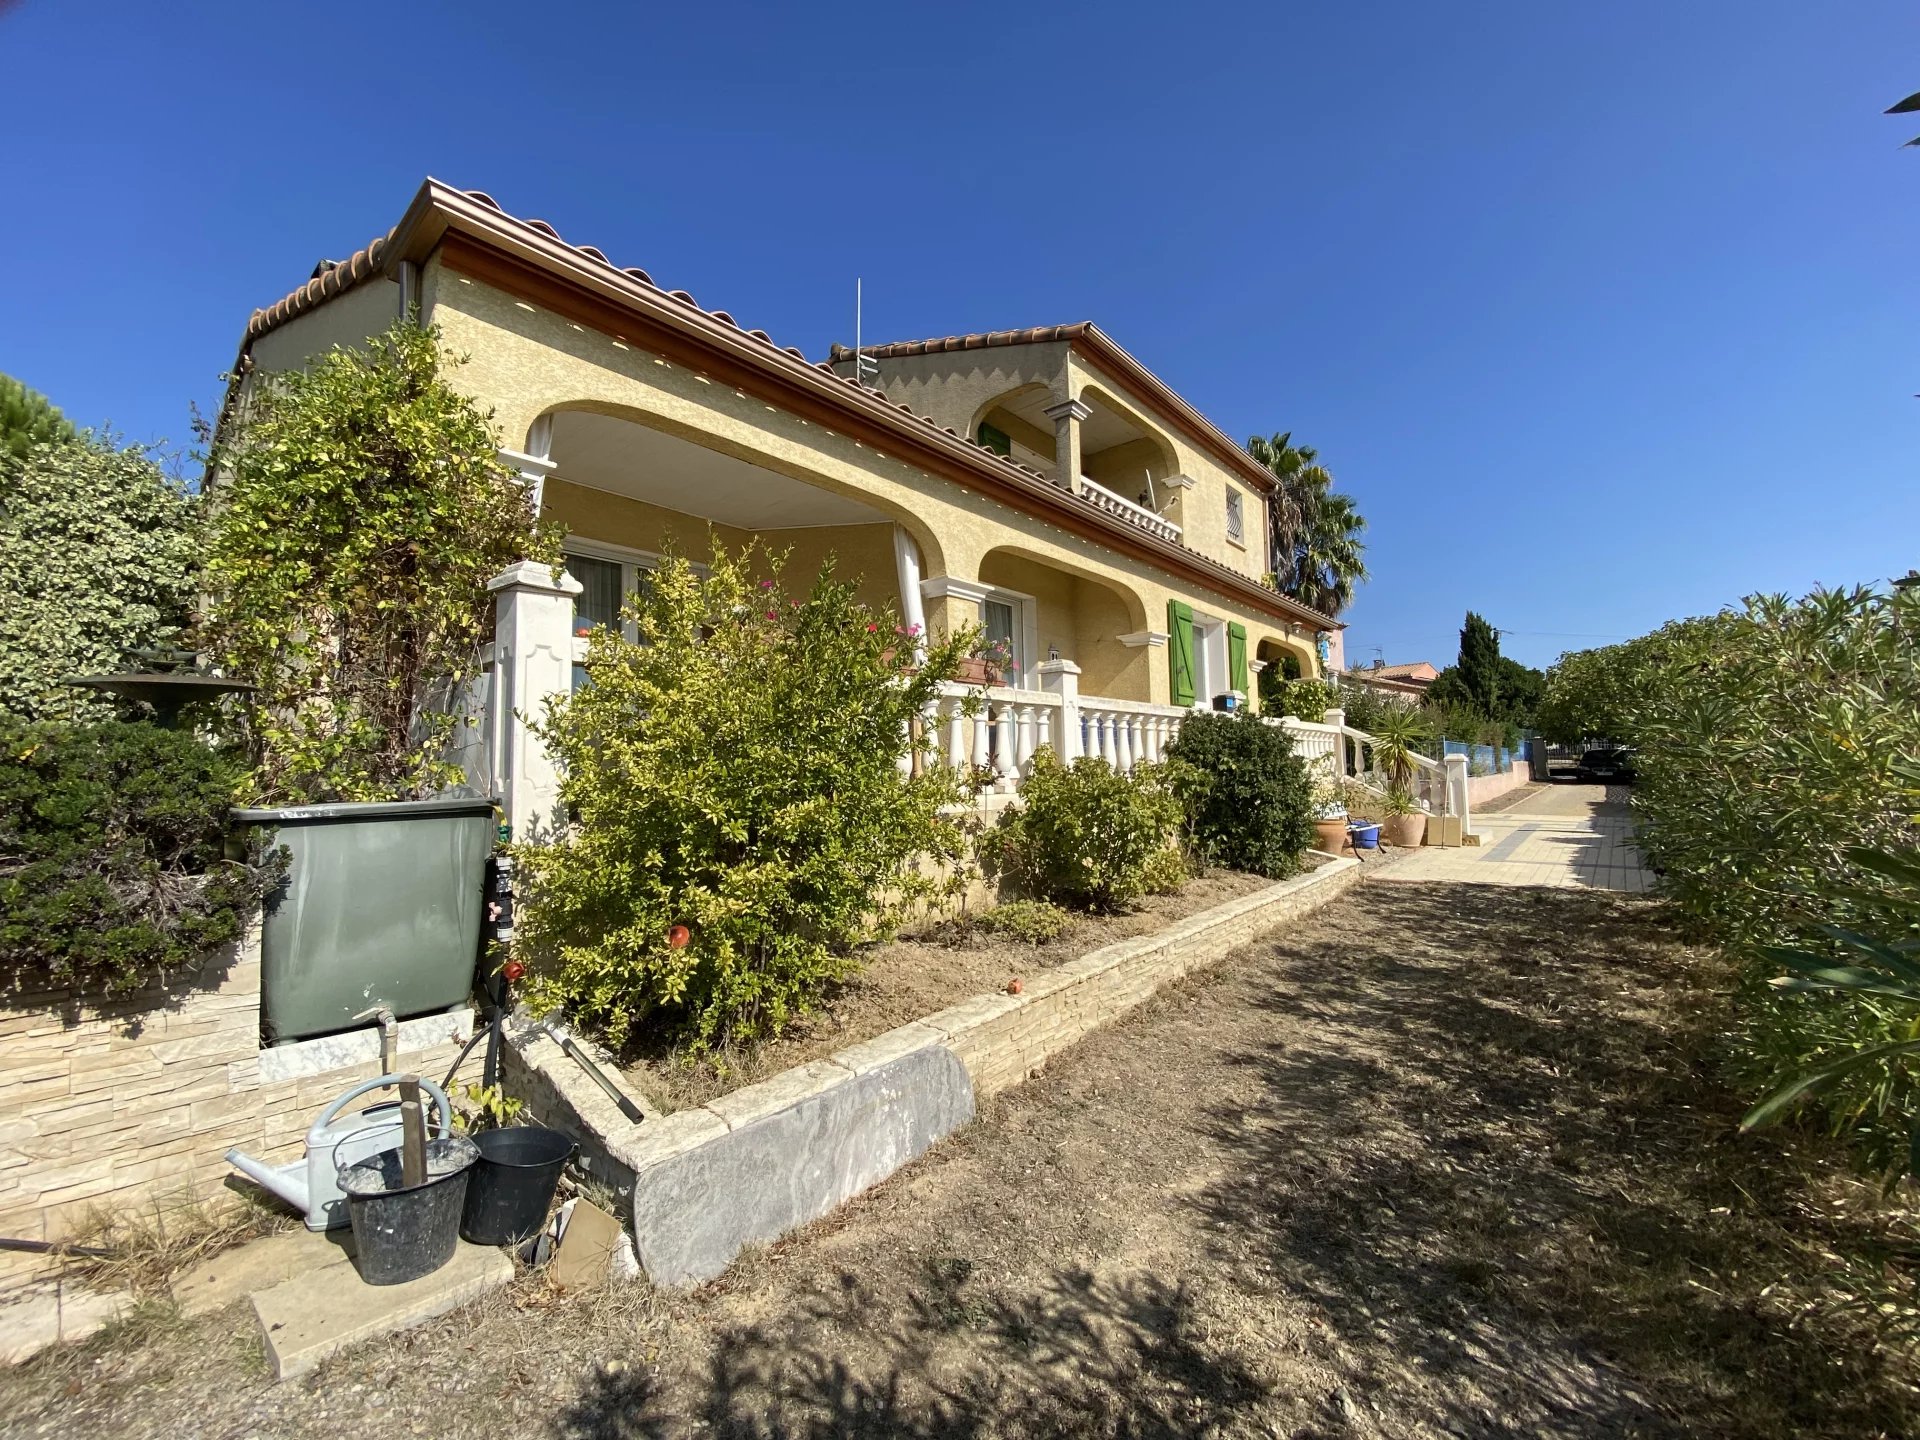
x: 862, y: 367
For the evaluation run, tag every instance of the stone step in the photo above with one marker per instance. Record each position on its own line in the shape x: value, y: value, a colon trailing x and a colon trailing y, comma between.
x: 317, y: 1314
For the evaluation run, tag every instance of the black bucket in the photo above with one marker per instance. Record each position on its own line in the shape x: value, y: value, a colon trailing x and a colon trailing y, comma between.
x: 512, y: 1186
x: 401, y: 1232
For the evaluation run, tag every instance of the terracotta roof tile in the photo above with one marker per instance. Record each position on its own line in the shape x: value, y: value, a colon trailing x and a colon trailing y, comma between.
x: 365, y: 264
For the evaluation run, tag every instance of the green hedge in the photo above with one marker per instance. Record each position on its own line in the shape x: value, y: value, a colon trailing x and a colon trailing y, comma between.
x: 112, y: 856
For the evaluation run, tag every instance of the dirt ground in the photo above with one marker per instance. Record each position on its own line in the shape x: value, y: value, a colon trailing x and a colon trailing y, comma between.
x: 1440, y: 1161
x: 910, y: 978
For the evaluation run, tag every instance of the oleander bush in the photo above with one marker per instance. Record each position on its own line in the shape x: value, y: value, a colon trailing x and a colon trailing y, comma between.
x: 1774, y: 742
x: 1084, y: 835
x: 740, y: 817
x: 113, y: 866
x: 1248, y: 798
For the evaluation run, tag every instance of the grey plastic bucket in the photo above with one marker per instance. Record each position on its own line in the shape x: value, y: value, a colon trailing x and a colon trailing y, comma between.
x: 381, y: 906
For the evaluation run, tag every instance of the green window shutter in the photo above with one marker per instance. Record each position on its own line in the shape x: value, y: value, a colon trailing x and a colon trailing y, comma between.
x: 996, y: 440
x: 1237, y: 657
x: 1180, y: 651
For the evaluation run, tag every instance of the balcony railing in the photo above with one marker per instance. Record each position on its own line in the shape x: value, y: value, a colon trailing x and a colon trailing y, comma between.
x: 1102, y: 498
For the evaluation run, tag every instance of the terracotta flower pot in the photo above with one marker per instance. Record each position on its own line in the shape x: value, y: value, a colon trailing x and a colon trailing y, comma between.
x: 1330, y: 835
x: 1406, y: 831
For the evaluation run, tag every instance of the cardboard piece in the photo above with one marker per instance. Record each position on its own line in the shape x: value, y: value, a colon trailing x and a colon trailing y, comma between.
x: 585, y: 1253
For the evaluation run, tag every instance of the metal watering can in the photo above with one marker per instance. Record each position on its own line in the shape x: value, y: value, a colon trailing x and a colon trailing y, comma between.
x: 334, y: 1142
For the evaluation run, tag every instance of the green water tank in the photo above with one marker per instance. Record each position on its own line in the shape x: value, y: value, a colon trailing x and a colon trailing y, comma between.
x: 381, y: 907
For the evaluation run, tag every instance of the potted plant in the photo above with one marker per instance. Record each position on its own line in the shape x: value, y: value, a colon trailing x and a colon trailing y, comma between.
x: 1405, y: 823
x: 357, y: 509
x: 1329, y: 814
x: 989, y: 664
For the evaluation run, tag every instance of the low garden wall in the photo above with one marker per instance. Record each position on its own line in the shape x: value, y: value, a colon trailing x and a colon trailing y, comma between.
x: 1482, y: 788
x: 135, y: 1102
x: 754, y: 1164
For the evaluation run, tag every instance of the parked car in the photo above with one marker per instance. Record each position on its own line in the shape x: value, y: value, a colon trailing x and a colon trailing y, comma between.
x: 1612, y: 767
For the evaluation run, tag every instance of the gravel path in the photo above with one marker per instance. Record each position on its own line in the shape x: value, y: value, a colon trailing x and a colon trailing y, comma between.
x: 1442, y: 1161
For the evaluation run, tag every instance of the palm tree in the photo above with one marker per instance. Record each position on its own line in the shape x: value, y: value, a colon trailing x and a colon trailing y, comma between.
x: 1313, y: 530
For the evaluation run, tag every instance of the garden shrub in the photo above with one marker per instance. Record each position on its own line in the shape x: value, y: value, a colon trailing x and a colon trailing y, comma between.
x: 98, y: 554
x: 741, y: 821
x: 1034, y: 921
x: 1248, y: 798
x: 1771, y: 741
x: 359, y: 509
x: 1168, y: 871
x: 1084, y: 834
x: 112, y: 865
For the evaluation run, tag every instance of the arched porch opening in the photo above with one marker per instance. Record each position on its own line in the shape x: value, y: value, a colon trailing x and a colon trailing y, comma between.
x: 628, y: 491
x: 1057, y: 611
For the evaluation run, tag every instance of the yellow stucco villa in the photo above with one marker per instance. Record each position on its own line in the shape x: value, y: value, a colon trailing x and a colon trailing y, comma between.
x: 1042, y: 484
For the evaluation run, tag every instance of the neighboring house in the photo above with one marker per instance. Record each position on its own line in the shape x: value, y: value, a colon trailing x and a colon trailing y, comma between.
x: 1126, y: 577
x: 1410, y: 681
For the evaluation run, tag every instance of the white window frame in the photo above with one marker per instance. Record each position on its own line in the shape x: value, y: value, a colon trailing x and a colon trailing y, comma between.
x: 631, y: 563
x: 1026, y: 631
x: 1236, y: 517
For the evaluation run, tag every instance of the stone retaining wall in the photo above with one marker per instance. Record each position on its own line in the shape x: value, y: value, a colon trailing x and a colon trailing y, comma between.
x: 1482, y: 788
x: 134, y: 1102
x: 756, y: 1163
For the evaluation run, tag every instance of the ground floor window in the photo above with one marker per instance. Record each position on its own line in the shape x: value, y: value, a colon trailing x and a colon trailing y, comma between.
x: 609, y: 577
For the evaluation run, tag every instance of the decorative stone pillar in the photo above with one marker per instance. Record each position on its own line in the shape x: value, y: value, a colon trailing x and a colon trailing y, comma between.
x: 951, y: 602
x: 1062, y: 678
x: 1066, y: 417
x: 1338, y: 720
x: 533, y: 658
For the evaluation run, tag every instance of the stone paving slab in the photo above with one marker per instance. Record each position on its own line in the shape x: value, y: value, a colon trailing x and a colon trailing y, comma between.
x: 315, y: 1315
x: 258, y: 1265
x: 1567, y: 837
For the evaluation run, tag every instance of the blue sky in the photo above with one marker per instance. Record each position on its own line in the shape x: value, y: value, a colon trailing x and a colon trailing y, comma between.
x: 1606, y: 314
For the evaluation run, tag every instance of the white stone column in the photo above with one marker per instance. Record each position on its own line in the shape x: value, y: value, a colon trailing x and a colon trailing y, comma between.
x: 1006, y: 774
x: 953, y: 716
x: 533, y: 658
x: 1023, y: 749
x: 1066, y: 417
x: 1123, y: 743
x: 1062, y: 678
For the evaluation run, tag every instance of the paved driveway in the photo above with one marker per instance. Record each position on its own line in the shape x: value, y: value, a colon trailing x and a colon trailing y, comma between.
x: 1576, y: 837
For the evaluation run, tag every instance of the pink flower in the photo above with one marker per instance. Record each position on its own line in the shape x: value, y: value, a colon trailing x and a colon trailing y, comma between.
x: 766, y: 584
x: 773, y: 614
x: 914, y: 629
x: 872, y: 628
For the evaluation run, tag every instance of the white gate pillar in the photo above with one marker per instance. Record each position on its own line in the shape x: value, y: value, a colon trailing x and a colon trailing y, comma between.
x: 1062, y: 678
x: 533, y: 658
x: 1457, y: 792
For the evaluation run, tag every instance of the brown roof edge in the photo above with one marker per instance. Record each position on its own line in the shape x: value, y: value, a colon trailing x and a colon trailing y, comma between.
x: 581, y: 280
x: 1094, y: 343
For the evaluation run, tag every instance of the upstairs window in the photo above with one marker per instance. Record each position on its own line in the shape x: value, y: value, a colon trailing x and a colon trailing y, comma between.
x: 996, y: 440
x: 1236, y: 516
